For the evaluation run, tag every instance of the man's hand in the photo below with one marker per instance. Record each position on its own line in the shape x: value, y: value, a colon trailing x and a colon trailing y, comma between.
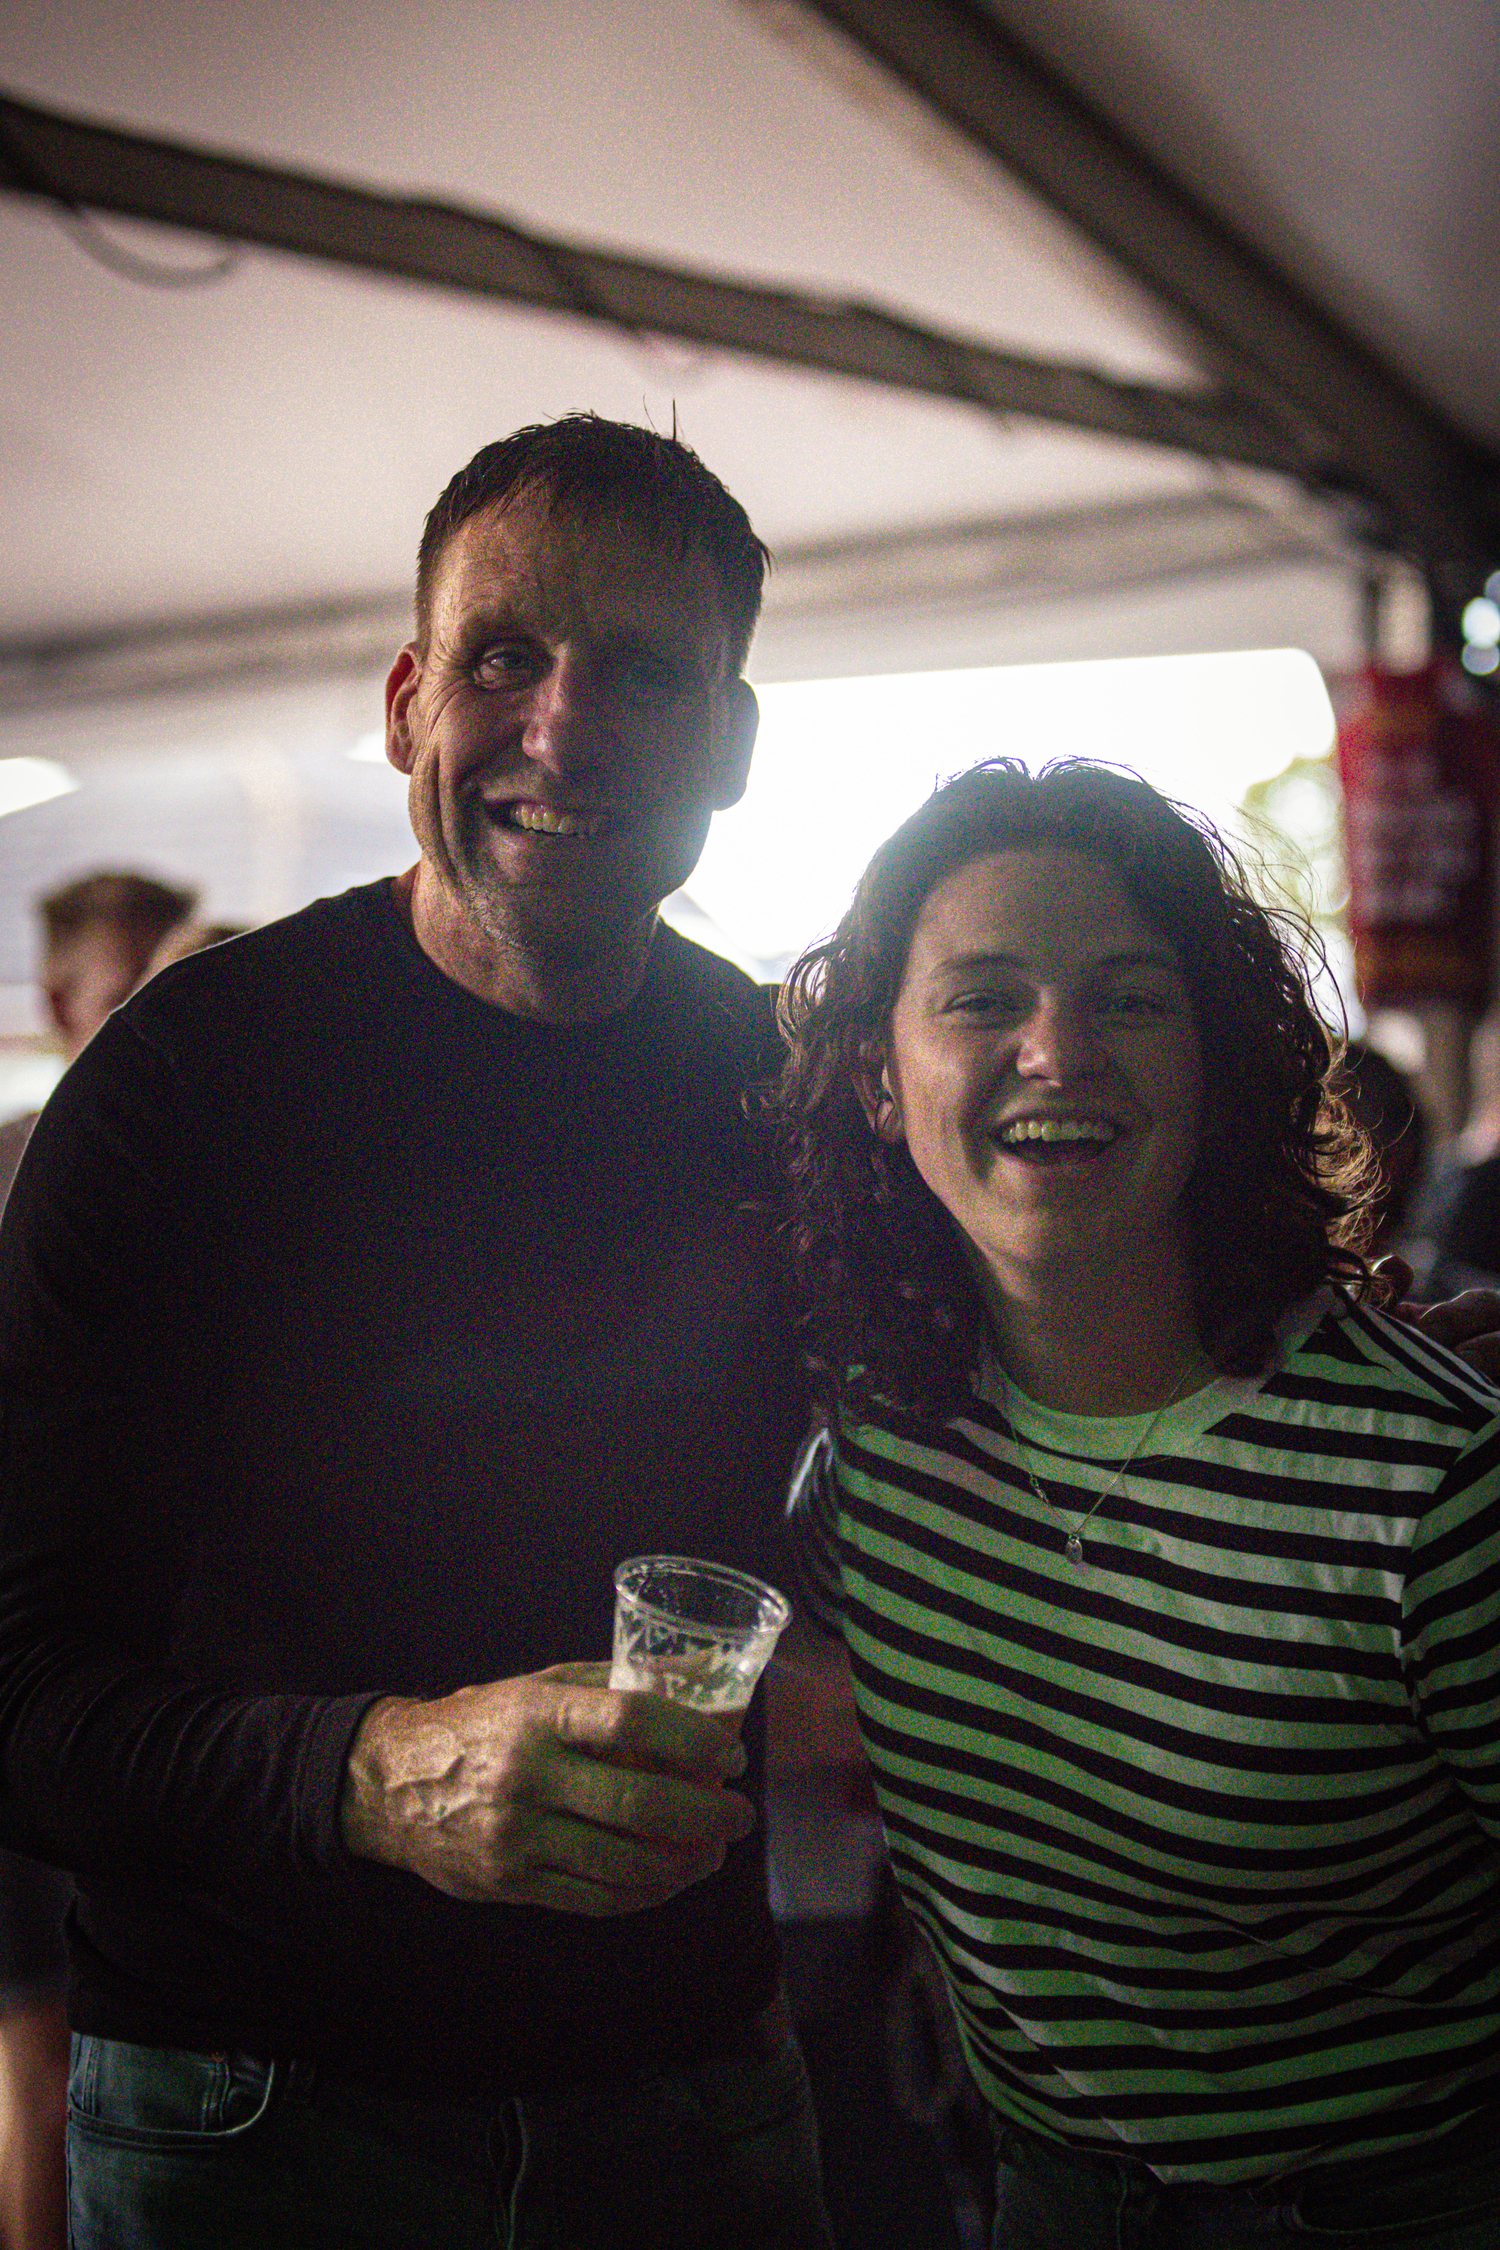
x: 549, y: 1790
x: 1469, y: 1324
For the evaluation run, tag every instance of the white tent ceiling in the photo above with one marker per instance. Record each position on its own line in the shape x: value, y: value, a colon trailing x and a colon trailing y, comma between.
x: 277, y: 437
x: 1355, y: 144
x: 272, y: 439
x: 214, y: 483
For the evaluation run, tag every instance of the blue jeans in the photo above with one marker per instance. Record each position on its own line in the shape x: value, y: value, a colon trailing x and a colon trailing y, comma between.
x: 169, y: 2150
x: 1445, y: 2196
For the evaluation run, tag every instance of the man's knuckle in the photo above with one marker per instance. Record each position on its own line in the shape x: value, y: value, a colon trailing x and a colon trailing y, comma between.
x: 631, y: 1803
x: 614, y: 1723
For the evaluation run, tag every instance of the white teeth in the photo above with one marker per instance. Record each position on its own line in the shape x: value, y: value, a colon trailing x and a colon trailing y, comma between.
x: 541, y: 820
x: 1059, y: 1129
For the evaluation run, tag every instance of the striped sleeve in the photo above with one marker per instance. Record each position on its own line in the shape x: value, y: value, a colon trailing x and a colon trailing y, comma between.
x: 1451, y: 1624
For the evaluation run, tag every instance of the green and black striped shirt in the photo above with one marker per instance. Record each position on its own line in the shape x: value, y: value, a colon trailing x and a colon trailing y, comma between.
x: 1205, y: 1829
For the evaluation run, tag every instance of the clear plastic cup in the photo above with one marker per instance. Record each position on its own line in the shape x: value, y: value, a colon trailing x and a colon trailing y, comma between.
x: 693, y: 1632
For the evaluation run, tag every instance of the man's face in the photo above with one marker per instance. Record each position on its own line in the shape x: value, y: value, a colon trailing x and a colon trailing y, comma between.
x: 86, y: 977
x: 571, y: 727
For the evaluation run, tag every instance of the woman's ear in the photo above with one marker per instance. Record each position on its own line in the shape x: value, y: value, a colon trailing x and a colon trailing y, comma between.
x: 878, y: 1101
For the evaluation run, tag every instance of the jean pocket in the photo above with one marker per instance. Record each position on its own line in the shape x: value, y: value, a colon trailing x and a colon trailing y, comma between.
x: 165, y: 2097
x: 1455, y: 2210
x: 741, y: 2096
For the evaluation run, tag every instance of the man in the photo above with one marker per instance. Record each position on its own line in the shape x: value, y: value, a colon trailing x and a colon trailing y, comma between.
x: 373, y: 1284
x: 98, y: 934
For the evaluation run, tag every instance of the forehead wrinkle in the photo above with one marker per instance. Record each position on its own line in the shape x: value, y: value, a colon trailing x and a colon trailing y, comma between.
x: 549, y: 587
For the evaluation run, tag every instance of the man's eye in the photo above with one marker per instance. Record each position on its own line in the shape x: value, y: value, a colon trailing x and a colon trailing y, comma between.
x: 504, y: 664
x: 641, y: 673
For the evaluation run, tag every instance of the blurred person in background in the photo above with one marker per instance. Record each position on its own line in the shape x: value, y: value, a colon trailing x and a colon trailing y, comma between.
x: 1480, y: 1138
x: 881, y: 2052
x: 189, y: 937
x: 1385, y: 1106
x: 1460, y: 1215
x: 99, y: 935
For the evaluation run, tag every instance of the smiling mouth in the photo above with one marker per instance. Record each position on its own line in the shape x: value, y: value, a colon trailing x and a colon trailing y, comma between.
x: 1049, y: 1140
x: 543, y: 820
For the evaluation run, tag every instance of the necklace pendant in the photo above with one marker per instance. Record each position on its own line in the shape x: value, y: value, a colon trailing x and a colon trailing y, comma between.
x: 1073, y: 1547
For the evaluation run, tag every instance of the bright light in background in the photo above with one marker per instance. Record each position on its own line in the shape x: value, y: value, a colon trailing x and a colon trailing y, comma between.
x: 1481, y: 622
x: 31, y: 781
x: 841, y: 762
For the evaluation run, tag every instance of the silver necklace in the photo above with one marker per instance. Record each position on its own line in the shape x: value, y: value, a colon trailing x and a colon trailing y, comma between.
x: 1073, y: 1540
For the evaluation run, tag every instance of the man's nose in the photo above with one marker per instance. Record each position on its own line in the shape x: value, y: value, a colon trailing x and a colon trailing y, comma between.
x: 1058, y: 1042
x: 564, y: 724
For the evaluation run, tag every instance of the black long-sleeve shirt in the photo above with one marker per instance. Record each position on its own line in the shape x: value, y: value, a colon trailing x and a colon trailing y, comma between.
x: 350, y: 1331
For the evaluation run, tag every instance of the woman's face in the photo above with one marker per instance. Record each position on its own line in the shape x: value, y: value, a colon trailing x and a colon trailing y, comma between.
x: 1044, y: 1068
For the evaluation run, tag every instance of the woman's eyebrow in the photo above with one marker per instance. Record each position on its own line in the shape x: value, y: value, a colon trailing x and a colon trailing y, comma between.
x: 966, y: 964
x: 1136, y: 957
x: 1142, y: 957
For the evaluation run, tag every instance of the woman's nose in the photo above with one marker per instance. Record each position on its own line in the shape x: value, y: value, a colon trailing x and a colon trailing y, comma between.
x: 1058, y: 1042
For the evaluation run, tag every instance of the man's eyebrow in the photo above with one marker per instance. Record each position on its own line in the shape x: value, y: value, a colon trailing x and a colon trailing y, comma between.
x: 475, y: 627
x: 645, y: 644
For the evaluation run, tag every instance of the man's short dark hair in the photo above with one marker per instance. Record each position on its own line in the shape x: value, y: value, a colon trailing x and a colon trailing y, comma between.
x: 585, y: 464
x: 141, y: 906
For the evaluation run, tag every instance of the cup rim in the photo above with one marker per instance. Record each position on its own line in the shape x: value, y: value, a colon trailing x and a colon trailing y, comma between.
x: 774, y: 1609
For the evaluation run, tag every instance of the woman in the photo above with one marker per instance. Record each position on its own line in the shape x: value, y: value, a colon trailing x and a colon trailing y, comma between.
x: 1168, y: 1567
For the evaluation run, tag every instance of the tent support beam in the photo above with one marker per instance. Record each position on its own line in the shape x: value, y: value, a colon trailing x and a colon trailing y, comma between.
x: 79, y: 165
x: 1438, y: 490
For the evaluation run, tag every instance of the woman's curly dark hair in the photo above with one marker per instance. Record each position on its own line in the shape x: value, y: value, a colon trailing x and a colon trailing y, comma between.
x: 888, y: 1308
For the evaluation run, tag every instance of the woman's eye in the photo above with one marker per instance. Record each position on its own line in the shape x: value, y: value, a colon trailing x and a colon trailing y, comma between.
x: 1137, y: 1004
x: 991, y: 1004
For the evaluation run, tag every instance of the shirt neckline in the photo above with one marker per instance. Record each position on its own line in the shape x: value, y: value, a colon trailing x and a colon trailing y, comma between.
x: 662, y: 966
x: 1109, y: 1437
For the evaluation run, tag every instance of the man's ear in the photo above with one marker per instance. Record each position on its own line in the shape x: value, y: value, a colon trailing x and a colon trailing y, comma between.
x: 734, y: 744
x: 402, y: 682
